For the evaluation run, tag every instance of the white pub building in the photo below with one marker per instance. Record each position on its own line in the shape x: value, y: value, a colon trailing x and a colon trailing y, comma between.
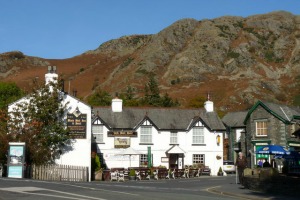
x: 176, y: 137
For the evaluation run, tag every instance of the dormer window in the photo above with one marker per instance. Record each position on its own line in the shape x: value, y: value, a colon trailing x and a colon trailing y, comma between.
x: 146, y: 134
x: 198, y: 135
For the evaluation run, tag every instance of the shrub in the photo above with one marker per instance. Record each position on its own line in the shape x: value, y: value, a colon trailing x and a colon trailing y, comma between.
x: 233, y: 54
x: 132, y: 172
x: 269, y: 55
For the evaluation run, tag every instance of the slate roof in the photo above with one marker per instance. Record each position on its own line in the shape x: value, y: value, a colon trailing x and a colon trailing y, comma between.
x: 162, y: 118
x: 235, y: 119
x: 283, y: 112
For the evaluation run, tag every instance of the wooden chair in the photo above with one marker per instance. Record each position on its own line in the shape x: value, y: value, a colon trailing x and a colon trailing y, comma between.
x: 198, y: 172
x: 171, y: 174
x: 114, y: 176
x: 148, y: 176
x: 121, y: 176
x: 186, y: 173
x: 168, y: 174
x: 138, y: 175
x: 155, y: 173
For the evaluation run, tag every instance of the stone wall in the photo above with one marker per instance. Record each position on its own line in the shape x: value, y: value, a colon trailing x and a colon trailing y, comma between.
x: 268, y: 180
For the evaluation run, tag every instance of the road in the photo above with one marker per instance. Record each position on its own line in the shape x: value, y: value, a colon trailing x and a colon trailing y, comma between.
x: 193, y: 188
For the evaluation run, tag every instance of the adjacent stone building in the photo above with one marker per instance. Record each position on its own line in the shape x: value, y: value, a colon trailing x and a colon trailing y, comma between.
x: 270, y: 123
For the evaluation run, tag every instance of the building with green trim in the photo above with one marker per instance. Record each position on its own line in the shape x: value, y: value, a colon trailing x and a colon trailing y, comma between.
x: 270, y: 123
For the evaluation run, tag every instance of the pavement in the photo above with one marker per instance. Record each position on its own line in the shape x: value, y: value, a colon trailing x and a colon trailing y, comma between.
x: 239, y: 192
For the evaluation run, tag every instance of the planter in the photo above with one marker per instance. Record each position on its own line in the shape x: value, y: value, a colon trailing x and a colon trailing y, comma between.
x: 131, y: 178
x: 106, y: 175
x: 220, y: 173
x: 98, y: 176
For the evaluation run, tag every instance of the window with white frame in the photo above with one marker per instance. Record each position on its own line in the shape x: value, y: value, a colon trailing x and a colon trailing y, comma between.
x: 261, y: 128
x: 198, y: 135
x: 198, y: 159
x: 144, y: 160
x: 97, y: 131
x: 146, y: 134
x: 173, y: 138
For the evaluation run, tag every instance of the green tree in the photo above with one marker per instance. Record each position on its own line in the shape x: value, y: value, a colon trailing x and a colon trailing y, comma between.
x: 152, y: 96
x: 38, y: 120
x: 167, y: 101
x: 128, y: 97
x: 4, y: 137
x: 9, y: 92
x: 100, y: 98
x: 95, y: 162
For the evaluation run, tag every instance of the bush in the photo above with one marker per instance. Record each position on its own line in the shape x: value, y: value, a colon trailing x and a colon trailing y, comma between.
x: 132, y: 172
x: 233, y: 54
x: 96, y: 165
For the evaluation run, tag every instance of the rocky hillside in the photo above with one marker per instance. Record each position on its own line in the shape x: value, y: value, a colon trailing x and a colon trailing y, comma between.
x: 237, y: 60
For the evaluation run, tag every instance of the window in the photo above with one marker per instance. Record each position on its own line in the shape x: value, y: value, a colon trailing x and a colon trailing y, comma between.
x: 261, y: 128
x: 173, y: 138
x: 238, y: 136
x: 198, y: 159
x: 97, y: 131
x: 146, y: 134
x: 143, y: 160
x: 198, y: 135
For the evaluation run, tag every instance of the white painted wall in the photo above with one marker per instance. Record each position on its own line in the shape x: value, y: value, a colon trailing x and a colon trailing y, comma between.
x: 80, y: 155
x: 161, y: 143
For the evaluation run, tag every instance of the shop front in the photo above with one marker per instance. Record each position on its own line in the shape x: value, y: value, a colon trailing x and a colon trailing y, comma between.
x: 259, y: 159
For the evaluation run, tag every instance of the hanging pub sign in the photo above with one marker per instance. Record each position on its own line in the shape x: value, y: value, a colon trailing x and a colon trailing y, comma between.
x: 76, y: 122
x: 122, y: 142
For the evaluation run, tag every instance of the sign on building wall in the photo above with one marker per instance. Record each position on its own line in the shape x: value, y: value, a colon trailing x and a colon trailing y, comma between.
x: 122, y: 134
x: 122, y: 142
x: 76, y: 122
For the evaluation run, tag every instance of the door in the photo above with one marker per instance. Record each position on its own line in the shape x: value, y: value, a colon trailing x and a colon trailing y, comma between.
x: 176, y: 161
x: 173, y: 161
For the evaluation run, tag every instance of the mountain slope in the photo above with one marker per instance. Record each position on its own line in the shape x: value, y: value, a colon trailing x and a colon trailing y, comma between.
x: 237, y: 60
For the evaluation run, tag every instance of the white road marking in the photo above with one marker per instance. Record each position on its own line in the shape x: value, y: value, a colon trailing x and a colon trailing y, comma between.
x: 28, y: 190
x: 91, y: 188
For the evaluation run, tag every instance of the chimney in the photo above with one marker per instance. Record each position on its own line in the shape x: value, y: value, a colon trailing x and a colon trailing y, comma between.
x: 117, y: 104
x: 51, y: 76
x: 209, y: 105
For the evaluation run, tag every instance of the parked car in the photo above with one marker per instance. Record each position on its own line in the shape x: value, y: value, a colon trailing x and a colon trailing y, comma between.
x: 206, y: 171
x: 228, y: 166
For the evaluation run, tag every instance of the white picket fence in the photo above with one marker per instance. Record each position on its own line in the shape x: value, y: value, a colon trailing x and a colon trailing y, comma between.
x: 60, y: 173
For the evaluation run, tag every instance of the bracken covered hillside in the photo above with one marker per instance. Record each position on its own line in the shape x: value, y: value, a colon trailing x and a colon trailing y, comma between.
x: 237, y: 60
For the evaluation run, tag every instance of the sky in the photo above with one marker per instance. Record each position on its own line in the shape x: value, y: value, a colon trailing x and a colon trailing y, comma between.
x: 59, y: 29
